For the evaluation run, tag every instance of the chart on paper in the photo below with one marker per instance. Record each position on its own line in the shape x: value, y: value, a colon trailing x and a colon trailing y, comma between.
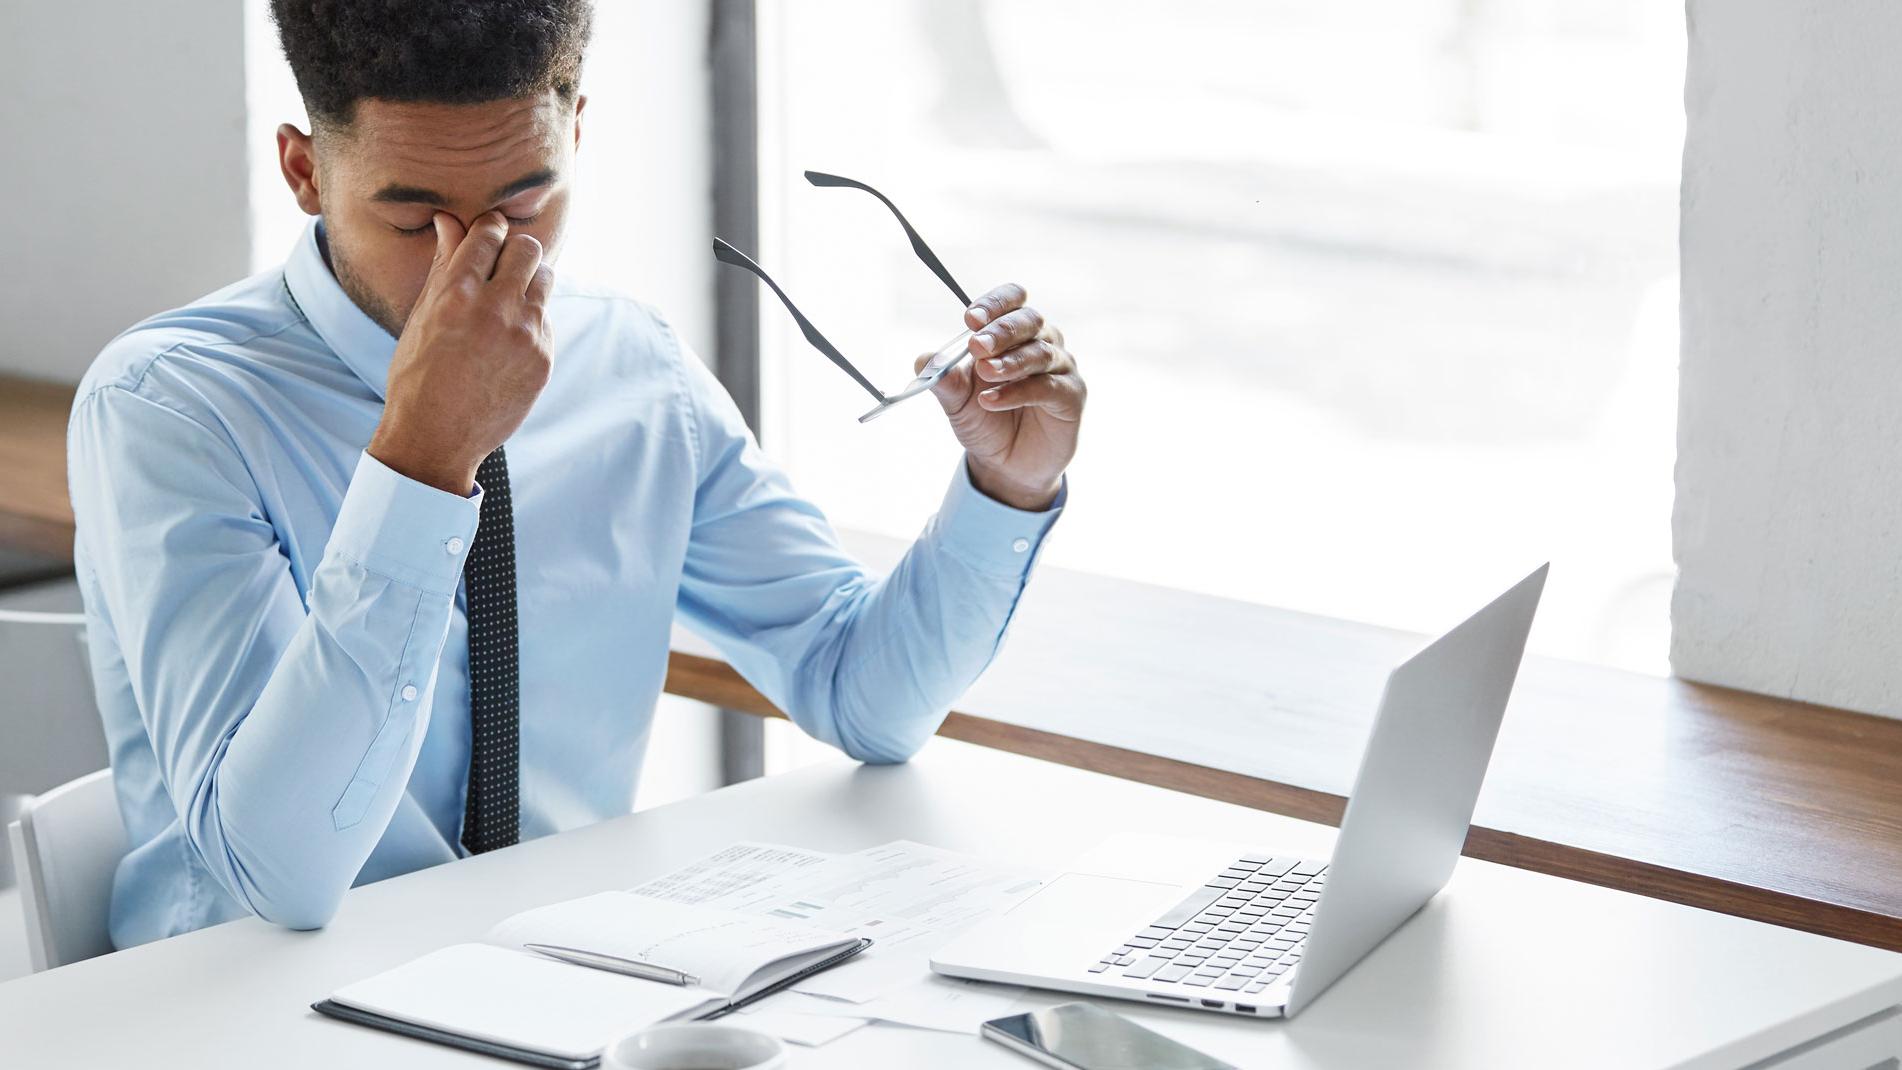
x: 731, y: 876
x: 900, y: 886
x: 909, y: 898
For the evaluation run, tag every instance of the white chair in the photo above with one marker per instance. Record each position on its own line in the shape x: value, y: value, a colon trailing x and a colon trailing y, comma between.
x: 68, y: 840
x: 66, y: 847
x: 48, y: 715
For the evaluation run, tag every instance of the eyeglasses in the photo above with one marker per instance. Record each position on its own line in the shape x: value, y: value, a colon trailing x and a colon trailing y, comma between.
x: 948, y: 356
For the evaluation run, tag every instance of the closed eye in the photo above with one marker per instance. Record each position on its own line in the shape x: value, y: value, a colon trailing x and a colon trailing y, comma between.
x: 430, y: 227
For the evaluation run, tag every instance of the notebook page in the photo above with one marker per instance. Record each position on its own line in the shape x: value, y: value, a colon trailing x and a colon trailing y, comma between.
x: 515, y: 998
x: 721, y: 948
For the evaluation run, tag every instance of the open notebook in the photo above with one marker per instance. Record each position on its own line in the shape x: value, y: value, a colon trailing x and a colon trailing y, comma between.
x: 498, y: 998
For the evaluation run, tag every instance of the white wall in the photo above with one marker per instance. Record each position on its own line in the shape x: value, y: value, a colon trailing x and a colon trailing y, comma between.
x: 123, y: 127
x: 1789, y: 475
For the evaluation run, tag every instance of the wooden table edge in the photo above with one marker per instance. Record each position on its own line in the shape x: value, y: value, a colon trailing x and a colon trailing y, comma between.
x: 715, y: 682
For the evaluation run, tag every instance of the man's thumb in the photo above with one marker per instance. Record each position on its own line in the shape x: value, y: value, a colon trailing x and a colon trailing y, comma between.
x: 448, y: 236
x: 953, y: 388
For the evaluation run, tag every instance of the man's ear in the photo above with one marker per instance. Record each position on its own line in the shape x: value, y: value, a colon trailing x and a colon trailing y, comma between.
x: 297, y: 158
x: 581, y: 101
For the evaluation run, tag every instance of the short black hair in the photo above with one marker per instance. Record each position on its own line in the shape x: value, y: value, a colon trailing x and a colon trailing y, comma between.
x: 438, y: 51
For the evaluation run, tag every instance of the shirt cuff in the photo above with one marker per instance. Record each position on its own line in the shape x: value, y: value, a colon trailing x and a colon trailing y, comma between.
x: 989, y: 535
x: 407, y: 531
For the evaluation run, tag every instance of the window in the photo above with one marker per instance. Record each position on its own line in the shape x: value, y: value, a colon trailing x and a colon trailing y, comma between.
x: 1376, y: 299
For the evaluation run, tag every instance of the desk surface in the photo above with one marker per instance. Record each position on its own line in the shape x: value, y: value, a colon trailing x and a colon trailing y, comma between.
x: 1505, y: 969
x: 1734, y: 802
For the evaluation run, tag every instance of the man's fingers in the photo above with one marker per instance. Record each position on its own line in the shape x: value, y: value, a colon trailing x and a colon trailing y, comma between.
x: 477, y: 254
x: 1007, y: 331
x: 449, y: 234
x: 953, y: 388
x: 1036, y: 357
x: 540, y: 285
x: 515, y: 267
x: 1059, y: 395
x: 999, y: 300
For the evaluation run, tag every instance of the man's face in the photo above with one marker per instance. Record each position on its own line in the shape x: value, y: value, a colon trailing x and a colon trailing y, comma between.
x: 379, y: 182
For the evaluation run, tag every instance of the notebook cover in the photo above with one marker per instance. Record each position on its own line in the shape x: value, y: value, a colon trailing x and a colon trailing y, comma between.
x: 454, y: 1040
x: 531, y: 1057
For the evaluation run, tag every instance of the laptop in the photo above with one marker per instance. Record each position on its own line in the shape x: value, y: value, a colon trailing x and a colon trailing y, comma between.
x: 1242, y: 930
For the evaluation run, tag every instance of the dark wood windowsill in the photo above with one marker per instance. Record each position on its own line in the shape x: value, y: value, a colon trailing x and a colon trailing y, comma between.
x: 35, y: 517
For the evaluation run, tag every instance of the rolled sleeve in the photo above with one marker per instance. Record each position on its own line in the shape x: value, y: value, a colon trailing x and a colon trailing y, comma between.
x: 406, y: 531
x: 988, y: 535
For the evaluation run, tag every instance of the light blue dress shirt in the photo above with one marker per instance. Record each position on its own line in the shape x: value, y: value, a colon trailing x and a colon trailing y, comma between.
x: 277, y: 624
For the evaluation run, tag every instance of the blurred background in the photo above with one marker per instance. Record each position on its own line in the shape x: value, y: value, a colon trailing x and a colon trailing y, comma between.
x: 1377, y: 300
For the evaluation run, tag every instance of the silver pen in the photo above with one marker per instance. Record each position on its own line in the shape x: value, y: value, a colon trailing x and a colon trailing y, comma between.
x: 614, y: 964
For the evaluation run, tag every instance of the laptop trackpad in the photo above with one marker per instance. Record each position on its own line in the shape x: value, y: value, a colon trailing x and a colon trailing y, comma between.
x: 1064, y: 928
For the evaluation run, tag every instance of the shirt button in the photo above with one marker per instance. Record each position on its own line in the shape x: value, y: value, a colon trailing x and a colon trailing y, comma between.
x: 453, y: 546
x: 1020, y: 545
x: 409, y: 692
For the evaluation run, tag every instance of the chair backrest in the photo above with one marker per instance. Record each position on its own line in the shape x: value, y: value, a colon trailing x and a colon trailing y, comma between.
x: 48, y: 714
x: 66, y: 847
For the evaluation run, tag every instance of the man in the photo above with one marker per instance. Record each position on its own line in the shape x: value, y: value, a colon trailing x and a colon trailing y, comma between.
x: 381, y: 549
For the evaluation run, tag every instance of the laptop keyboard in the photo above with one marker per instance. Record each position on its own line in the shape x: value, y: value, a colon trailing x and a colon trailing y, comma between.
x: 1240, y: 932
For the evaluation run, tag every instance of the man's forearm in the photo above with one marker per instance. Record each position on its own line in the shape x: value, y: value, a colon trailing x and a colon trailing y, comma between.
x: 304, y: 790
x: 905, y: 648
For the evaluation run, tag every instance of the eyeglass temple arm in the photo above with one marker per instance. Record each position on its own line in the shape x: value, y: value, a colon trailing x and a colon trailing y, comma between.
x: 820, y: 178
x: 727, y: 254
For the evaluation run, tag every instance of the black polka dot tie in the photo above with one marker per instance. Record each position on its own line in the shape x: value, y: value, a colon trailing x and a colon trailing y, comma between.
x: 493, y: 814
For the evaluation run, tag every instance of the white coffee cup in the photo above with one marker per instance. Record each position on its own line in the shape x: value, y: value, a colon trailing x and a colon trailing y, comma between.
x: 694, y: 1046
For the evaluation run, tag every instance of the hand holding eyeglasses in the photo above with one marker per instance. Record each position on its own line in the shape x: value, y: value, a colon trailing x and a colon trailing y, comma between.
x: 1015, y: 406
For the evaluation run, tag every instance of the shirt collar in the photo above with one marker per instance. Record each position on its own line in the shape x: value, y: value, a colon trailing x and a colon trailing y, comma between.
x: 359, y: 340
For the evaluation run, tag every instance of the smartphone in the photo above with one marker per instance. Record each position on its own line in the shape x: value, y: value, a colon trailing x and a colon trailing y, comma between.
x: 1083, y: 1036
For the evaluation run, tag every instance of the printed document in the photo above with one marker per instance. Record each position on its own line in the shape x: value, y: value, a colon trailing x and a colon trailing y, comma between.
x: 910, y: 898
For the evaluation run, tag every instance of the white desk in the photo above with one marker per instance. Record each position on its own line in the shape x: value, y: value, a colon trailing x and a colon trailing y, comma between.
x: 1504, y: 969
